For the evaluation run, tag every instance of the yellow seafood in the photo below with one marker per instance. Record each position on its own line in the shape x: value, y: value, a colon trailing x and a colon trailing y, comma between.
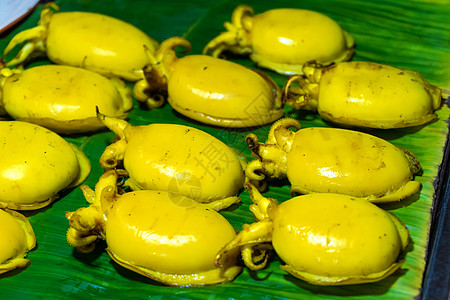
x: 283, y: 39
x: 175, y: 158
x: 364, y: 94
x: 16, y: 239
x: 167, y: 237
x: 208, y: 89
x: 324, y: 239
x: 63, y: 98
x: 36, y: 164
x: 333, y: 160
x: 88, y: 40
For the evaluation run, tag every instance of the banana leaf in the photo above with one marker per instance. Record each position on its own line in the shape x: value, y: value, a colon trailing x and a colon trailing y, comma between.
x: 406, y: 34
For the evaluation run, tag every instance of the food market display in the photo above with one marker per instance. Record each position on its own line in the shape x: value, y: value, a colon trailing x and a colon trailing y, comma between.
x: 164, y: 113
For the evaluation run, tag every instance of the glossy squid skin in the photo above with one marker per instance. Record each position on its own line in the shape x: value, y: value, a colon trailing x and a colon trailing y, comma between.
x: 36, y: 164
x: 88, y: 40
x: 207, y: 89
x: 323, y: 238
x: 185, y: 243
x: 63, y: 98
x: 365, y: 94
x: 177, y: 158
x: 344, y: 240
x: 167, y: 237
x: 283, y: 39
x: 333, y: 160
x: 241, y: 98
x: 16, y: 240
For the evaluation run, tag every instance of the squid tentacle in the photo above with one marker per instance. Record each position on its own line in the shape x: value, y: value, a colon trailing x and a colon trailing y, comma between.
x: 304, y: 95
x: 34, y: 37
x: 251, y: 235
x: 152, y: 88
x: 256, y: 256
x: 271, y: 156
x: 87, y: 223
x: 236, y: 37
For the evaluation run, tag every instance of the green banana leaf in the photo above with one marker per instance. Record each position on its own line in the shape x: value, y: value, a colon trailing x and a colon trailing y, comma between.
x: 407, y: 34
